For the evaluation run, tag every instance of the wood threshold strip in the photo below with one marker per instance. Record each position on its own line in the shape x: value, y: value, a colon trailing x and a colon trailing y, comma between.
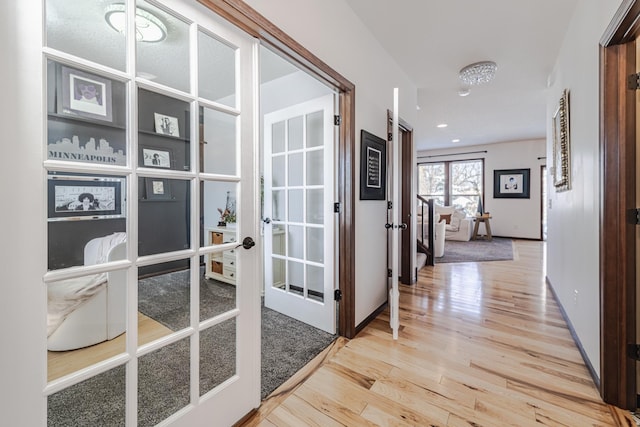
x: 280, y: 394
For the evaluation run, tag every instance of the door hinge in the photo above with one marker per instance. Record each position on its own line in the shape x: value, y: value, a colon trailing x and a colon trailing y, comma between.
x: 336, y: 207
x: 389, y: 205
x: 337, y: 295
x: 633, y: 81
x: 633, y: 216
x: 633, y: 351
x: 389, y: 272
x: 337, y: 120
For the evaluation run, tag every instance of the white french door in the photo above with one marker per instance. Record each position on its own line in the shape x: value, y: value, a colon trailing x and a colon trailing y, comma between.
x: 171, y: 141
x: 298, y: 210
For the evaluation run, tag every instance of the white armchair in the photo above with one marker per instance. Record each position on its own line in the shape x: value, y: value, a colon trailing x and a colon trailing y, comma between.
x: 89, y: 309
x: 459, y: 226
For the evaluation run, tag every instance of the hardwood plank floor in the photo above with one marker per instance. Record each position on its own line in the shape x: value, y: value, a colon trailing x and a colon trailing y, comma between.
x: 480, y: 344
x: 61, y: 363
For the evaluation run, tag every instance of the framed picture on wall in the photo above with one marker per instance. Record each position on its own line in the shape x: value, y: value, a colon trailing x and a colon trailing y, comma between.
x: 511, y: 183
x: 561, y: 145
x: 373, y: 167
x: 85, y: 95
x: 73, y: 197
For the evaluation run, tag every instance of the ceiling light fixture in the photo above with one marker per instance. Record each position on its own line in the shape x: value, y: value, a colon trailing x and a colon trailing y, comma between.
x: 442, y: 125
x: 149, y: 28
x: 455, y: 140
x: 478, y: 73
x: 464, y: 91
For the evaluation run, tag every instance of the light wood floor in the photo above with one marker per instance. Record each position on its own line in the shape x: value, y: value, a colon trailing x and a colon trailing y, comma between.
x: 481, y: 344
x: 61, y: 363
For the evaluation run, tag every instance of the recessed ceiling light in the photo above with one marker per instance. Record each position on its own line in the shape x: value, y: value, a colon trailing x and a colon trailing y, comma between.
x: 455, y: 140
x: 443, y: 125
x: 463, y: 91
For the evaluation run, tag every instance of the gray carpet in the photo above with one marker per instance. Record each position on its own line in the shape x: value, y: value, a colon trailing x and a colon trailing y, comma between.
x: 498, y: 249
x: 287, y: 345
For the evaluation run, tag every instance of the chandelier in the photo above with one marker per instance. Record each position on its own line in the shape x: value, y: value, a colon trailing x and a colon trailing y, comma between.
x: 478, y: 73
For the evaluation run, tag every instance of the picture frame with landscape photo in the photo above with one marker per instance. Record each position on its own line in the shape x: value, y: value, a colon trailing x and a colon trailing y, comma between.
x: 511, y: 183
x: 166, y: 125
x: 157, y: 189
x: 72, y: 197
x: 85, y: 95
x: 156, y: 158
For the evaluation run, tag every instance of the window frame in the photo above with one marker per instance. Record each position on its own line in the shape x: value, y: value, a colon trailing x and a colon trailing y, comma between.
x: 448, y: 186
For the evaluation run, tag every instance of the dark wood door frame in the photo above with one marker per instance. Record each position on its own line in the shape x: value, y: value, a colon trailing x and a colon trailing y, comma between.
x: 407, y: 199
x: 618, y: 196
x: 248, y: 19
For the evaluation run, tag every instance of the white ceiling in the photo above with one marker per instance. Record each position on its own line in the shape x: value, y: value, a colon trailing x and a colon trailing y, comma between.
x: 431, y: 40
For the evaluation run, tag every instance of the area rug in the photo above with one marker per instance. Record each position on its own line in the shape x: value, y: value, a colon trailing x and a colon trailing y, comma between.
x: 287, y: 345
x: 497, y: 249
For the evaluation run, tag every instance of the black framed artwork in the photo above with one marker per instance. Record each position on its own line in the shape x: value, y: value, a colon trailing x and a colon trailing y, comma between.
x: 511, y: 183
x: 373, y: 167
x: 75, y: 197
x: 85, y: 95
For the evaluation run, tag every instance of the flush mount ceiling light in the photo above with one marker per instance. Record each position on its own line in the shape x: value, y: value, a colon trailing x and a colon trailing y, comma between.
x: 478, y: 73
x: 149, y: 28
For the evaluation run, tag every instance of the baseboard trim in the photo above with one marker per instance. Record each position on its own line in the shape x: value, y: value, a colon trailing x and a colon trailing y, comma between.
x: 594, y: 374
x: 370, y: 318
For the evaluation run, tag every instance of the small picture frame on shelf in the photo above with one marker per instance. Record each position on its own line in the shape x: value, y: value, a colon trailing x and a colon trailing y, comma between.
x: 85, y: 95
x: 153, y: 158
x: 166, y: 125
x: 158, y: 189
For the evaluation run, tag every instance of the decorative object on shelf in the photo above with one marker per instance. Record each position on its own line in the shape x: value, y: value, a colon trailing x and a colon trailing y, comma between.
x: 149, y: 28
x: 72, y: 197
x: 158, y: 189
x: 166, y: 125
x: 91, y: 152
x: 156, y: 158
x: 228, y: 214
x: 511, y: 184
x: 85, y: 95
x: 373, y: 167
x: 561, y: 145
x: 478, y: 73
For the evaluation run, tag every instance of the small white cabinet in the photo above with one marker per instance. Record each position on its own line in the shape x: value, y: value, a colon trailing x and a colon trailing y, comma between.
x: 221, y: 265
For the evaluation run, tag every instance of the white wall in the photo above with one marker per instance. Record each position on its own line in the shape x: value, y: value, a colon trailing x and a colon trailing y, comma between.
x: 23, y: 304
x: 336, y: 35
x: 509, y: 217
x: 573, y: 244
